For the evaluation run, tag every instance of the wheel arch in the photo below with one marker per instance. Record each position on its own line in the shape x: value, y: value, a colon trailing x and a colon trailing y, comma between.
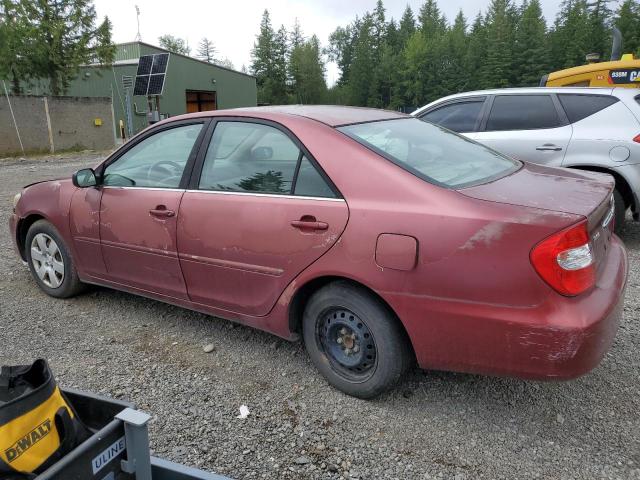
x: 304, y: 292
x: 21, y: 231
x: 621, y: 183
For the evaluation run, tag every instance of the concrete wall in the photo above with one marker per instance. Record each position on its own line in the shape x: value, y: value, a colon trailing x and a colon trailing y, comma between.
x: 69, y: 123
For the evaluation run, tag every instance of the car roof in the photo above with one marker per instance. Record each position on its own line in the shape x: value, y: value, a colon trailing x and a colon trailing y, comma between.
x: 521, y: 90
x: 331, y: 115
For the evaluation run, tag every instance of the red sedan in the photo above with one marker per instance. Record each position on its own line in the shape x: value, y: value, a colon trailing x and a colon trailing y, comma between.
x: 380, y: 239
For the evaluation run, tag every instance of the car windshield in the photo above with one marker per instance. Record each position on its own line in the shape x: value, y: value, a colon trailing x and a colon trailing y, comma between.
x: 432, y: 152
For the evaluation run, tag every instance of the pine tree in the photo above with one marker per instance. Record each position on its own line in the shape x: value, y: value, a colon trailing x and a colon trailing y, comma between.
x: 531, y: 57
x: 497, y: 71
x: 407, y: 27
x: 627, y: 19
x: 569, y: 40
x: 174, y: 44
x: 206, y: 51
x: 476, y: 54
x: 432, y: 22
x: 63, y: 36
x: 362, y: 64
x: 456, y: 43
x: 599, y: 28
x: 268, y: 62
x: 310, y: 85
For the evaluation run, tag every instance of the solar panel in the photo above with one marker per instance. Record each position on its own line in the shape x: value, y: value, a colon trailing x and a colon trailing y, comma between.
x: 160, y: 63
x: 151, y: 74
x: 144, y: 65
x: 142, y: 84
x: 156, y: 83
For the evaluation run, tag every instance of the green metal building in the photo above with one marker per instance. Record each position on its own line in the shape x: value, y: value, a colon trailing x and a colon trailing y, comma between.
x: 190, y: 85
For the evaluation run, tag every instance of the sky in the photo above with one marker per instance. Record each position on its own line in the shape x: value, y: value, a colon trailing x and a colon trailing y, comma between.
x: 233, y: 24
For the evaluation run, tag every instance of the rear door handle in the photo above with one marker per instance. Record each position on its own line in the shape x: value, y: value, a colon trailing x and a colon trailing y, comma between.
x: 309, y: 225
x: 162, y: 212
x: 549, y: 147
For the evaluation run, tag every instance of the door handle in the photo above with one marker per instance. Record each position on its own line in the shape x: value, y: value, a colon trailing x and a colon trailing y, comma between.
x: 309, y: 224
x: 162, y: 212
x: 549, y: 147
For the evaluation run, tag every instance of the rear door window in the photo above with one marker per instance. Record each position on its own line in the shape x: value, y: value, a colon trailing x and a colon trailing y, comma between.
x: 459, y: 117
x: 522, y: 112
x: 579, y: 107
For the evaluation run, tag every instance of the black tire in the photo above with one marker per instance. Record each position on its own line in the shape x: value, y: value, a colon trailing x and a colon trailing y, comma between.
x: 70, y: 284
x: 620, y: 210
x: 383, y: 351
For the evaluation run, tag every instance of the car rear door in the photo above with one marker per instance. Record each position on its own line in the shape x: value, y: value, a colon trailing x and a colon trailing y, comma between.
x: 141, y: 194
x: 259, y: 211
x: 529, y: 127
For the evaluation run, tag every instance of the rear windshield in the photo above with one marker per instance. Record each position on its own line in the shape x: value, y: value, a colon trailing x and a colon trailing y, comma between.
x: 432, y: 152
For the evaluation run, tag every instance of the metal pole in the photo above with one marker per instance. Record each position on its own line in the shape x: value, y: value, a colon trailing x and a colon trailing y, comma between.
x: 15, y: 124
x: 52, y: 148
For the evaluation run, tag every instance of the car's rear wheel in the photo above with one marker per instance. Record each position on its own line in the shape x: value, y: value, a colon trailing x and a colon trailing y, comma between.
x: 50, y: 261
x: 620, y: 210
x: 354, y: 340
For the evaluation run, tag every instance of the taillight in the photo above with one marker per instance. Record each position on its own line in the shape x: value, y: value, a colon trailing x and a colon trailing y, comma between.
x: 637, y: 138
x: 565, y: 260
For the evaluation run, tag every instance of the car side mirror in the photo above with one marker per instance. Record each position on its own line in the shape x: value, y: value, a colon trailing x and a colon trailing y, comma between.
x: 84, y: 178
x: 262, y: 153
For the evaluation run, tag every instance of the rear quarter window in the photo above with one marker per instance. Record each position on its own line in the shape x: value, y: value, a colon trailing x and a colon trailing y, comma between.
x: 578, y: 106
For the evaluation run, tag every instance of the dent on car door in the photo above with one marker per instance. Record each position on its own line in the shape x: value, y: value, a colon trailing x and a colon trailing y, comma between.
x: 527, y: 127
x: 259, y: 213
x: 141, y: 197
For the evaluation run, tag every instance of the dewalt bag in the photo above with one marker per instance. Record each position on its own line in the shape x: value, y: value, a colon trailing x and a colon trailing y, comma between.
x: 37, y: 424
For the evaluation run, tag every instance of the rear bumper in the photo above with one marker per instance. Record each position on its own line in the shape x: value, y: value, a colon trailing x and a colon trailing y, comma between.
x: 560, y: 339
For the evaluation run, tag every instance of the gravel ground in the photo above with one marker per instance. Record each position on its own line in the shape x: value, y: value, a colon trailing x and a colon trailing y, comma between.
x: 435, y: 425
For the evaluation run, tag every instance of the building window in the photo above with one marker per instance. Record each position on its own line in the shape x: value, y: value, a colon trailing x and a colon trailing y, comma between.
x: 198, y: 101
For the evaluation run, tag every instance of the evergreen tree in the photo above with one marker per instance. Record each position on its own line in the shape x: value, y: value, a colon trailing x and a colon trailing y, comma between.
x: 432, y: 22
x: 62, y: 36
x: 531, y: 57
x: 569, y: 39
x: 174, y: 44
x: 406, y: 28
x: 476, y: 54
x: 309, y: 82
x: 627, y: 19
x: 362, y: 63
x: 599, y: 28
x: 268, y: 62
x: 206, y: 51
x: 497, y: 71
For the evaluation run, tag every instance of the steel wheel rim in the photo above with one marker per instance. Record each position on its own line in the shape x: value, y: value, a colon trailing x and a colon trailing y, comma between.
x: 348, y: 343
x: 47, y: 260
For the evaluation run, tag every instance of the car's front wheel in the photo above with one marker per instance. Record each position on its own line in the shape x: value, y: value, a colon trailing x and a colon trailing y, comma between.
x: 50, y: 261
x: 354, y: 340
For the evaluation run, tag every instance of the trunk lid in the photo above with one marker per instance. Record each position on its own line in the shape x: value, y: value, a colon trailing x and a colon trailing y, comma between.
x: 577, y: 192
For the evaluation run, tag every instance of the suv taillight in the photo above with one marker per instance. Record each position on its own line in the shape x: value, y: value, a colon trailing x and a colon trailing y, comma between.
x: 565, y: 260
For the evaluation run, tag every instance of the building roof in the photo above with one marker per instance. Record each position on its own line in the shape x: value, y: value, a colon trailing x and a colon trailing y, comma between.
x: 122, y: 55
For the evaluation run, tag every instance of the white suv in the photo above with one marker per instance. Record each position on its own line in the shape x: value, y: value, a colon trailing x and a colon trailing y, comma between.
x: 595, y: 129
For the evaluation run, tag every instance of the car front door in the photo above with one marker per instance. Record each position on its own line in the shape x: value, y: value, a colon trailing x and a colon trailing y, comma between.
x: 141, y: 194
x: 529, y: 127
x: 258, y: 212
x: 462, y: 115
